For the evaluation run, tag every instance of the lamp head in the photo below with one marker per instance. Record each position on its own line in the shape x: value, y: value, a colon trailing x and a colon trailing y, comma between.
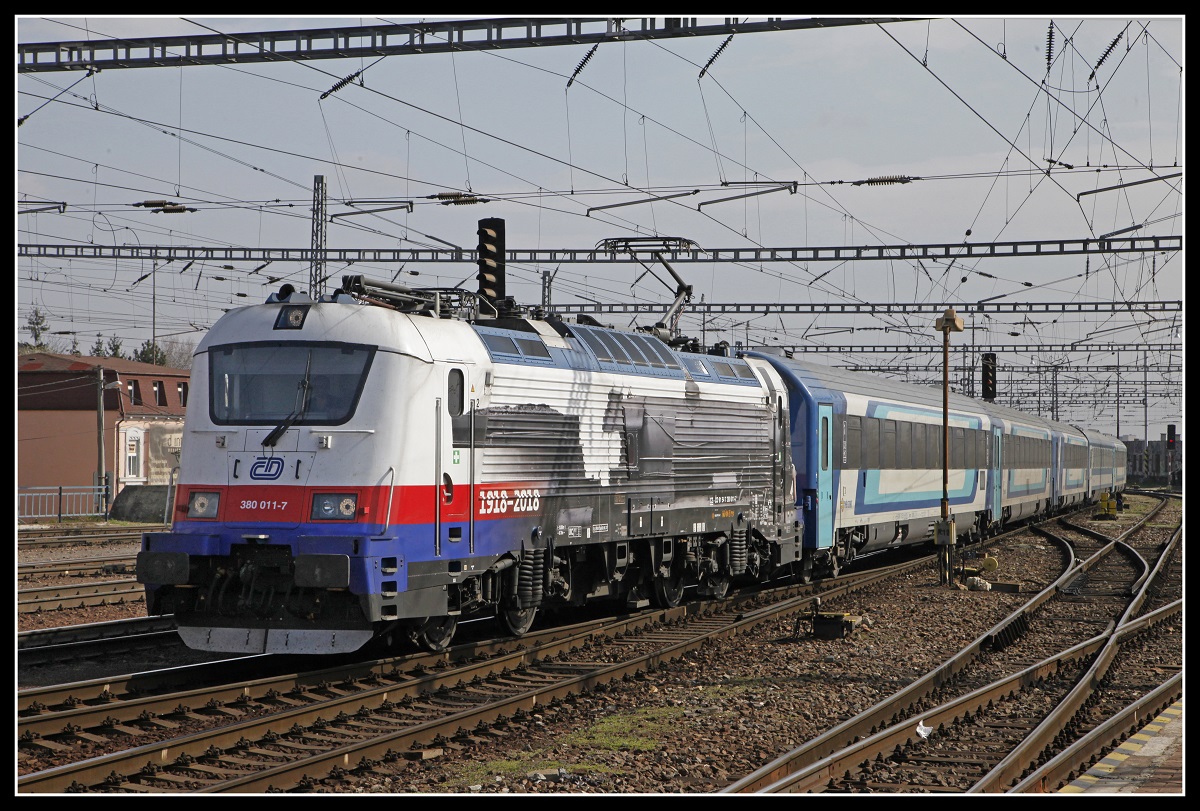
x: 949, y: 322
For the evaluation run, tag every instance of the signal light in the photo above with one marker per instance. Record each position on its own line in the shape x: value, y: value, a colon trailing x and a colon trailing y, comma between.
x: 491, y: 260
x: 1170, y: 437
x: 989, y: 376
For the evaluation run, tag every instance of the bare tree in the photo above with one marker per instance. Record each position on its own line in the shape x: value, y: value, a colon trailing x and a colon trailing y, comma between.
x: 178, y: 352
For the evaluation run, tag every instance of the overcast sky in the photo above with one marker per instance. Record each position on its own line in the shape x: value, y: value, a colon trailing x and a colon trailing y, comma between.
x: 974, y: 110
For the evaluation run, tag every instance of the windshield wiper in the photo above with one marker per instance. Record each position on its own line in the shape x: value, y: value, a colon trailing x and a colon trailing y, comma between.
x: 304, y: 385
x: 270, y: 439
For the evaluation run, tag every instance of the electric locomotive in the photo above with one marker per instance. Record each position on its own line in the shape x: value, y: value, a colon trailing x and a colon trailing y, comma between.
x: 384, y: 462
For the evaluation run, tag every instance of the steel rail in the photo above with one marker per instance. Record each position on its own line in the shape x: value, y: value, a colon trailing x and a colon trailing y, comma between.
x: 1025, y: 755
x: 50, y: 598
x: 1076, y: 758
x: 791, y: 772
x: 527, y: 655
x: 112, y: 564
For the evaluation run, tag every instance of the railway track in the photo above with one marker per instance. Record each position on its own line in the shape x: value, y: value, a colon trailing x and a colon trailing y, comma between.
x: 96, y: 640
x: 50, y: 537
x: 80, y: 718
x: 288, y: 731
x: 53, y: 598
x: 1021, y: 693
x: 78, y: 567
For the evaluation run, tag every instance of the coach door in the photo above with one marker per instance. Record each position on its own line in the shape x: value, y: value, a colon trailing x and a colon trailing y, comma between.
x: 997, y: 474
x: 824, y: 509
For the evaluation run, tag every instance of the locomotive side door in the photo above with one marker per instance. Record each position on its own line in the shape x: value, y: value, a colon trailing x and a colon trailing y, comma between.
x: 454, y: 464
x: 824, y: 507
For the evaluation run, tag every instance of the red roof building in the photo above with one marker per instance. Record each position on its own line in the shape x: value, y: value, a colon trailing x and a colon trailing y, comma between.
x: 77, y: 415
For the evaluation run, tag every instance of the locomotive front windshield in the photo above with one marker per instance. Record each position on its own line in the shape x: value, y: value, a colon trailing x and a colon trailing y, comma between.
x: 296, y: 383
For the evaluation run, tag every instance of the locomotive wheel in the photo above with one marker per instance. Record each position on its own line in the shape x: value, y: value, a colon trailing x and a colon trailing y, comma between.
x: 516, y: 621
x: 668, y: 591
x: 436, y: 633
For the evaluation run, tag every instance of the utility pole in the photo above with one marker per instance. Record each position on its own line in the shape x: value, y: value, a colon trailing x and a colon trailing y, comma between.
x: 1145, y: 414
x: 547, y: 280
x: 153, y: 312
x: 1054, y: 393
x: 316, y: 273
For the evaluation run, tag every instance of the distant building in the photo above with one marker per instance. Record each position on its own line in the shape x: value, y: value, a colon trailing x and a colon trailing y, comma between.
x: 1148, y: 460
x: 58, y: 436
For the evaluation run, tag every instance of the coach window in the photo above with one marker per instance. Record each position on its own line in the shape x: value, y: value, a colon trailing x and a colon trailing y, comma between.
x: 918, y: 446
x: 870, y: 443
x: 887, y: 446
x: 936, y: 459
x: 853, y: 442
x: 824, y: 443
x: 904, y: 445
x: 455, y: 393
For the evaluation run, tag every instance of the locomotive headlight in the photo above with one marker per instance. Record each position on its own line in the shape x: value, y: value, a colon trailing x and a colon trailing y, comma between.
x: 203, y: 505
x: 334, y: 506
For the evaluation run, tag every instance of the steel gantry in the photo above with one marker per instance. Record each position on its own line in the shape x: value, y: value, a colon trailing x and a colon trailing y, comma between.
x: 601, y: 255
x: 883, y: 308
x: 353, y: 42
x: 910, y: 349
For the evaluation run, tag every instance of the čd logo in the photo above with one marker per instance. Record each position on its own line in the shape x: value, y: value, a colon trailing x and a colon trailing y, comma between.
x: 266, y: 467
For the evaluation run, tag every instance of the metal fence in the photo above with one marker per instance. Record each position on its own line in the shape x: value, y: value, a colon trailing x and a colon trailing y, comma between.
x: 34, y: 503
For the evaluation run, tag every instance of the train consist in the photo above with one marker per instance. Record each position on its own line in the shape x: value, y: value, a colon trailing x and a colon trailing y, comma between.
x: 384, y: 462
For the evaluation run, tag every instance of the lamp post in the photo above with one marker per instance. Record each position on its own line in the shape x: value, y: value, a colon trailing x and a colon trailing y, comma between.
x: 101, y: 386
x: 945, y: 534
x: 158, y: 207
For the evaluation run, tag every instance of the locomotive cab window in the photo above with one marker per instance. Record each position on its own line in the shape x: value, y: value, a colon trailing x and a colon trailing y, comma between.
x: 455, y: 392
x: 277, y: 382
